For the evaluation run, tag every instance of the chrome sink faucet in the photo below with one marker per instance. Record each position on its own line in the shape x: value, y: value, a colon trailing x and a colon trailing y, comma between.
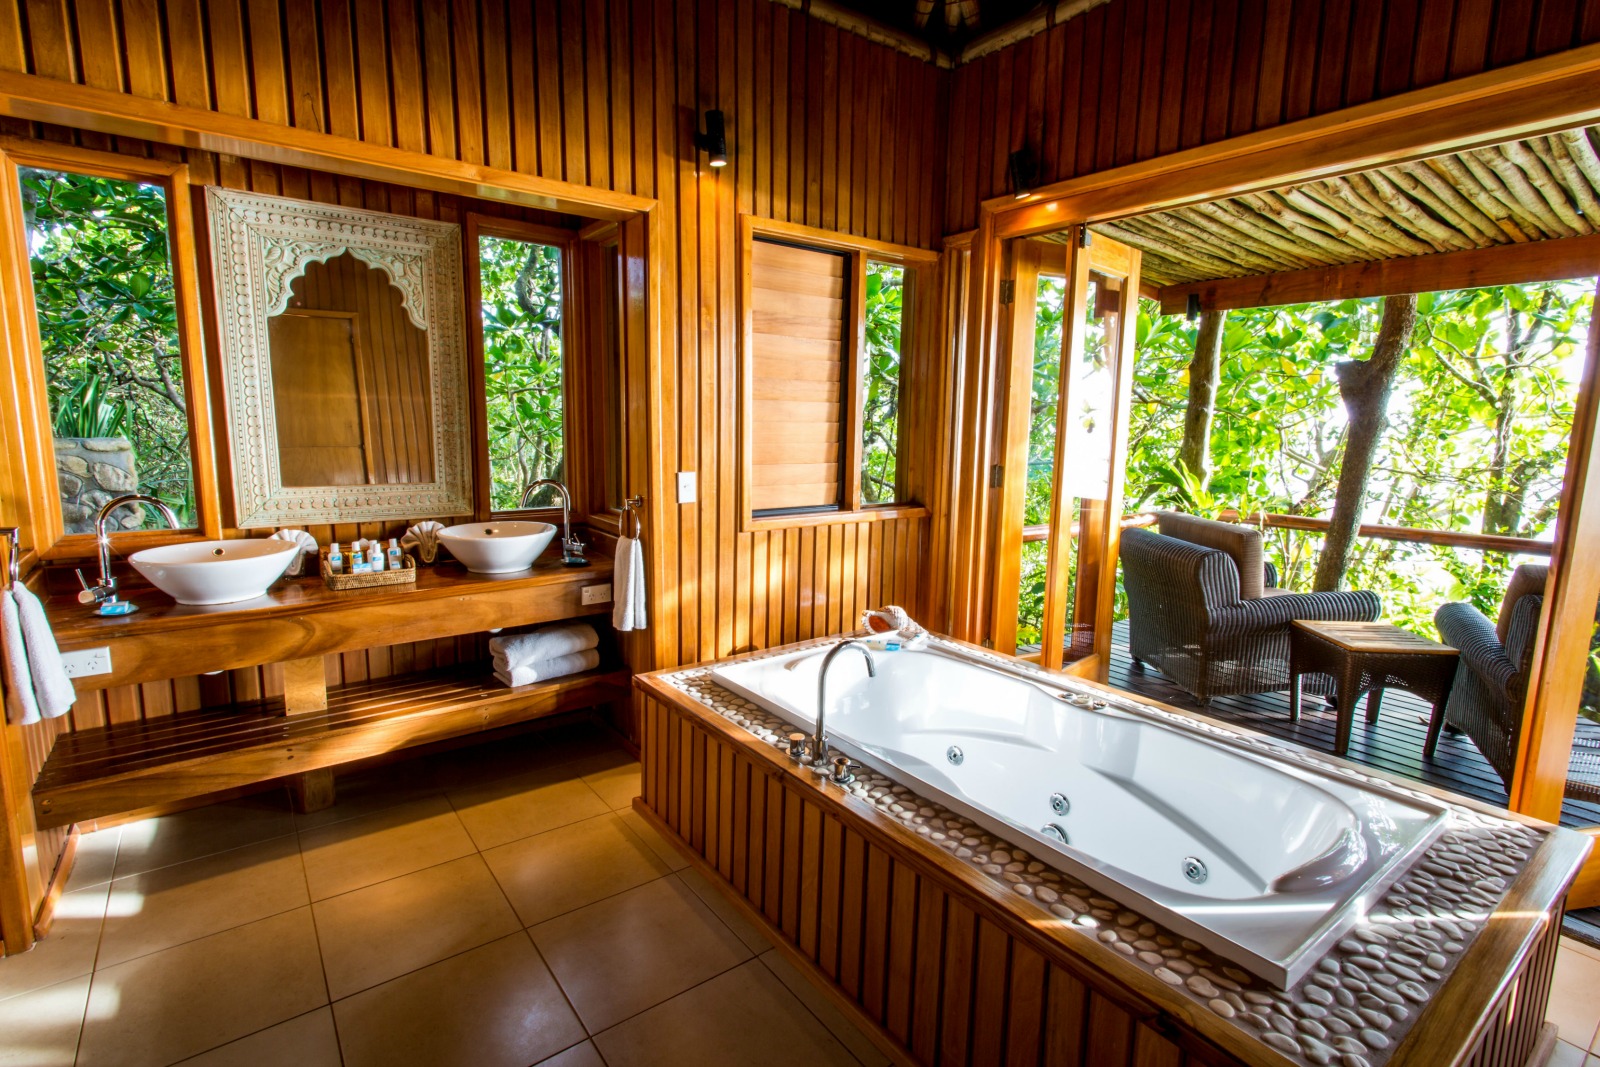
x: 819, y: 737
x: 104, y: 591
x: 571, y: 547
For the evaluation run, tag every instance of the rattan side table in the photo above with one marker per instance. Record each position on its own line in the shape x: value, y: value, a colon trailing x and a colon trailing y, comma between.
x: 1368, y: 657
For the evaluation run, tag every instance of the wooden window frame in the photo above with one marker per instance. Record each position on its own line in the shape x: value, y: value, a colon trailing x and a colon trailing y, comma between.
x: 573, y: 420
x: 33, y: 425
x: 920, y: 265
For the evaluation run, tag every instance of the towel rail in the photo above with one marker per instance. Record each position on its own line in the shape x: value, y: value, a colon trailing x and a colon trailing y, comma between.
x: 13, y: 536
x: 630, y: 506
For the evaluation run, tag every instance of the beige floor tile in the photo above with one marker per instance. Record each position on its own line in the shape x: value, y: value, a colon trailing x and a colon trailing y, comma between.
x: 617, y: 786
x: 95, y: 858
x: 743, y: 1017
x: 561, y: 746
x: 554, y: 872
x: 387, y: 844
x: 631, y: 951
x: 198, y: 832
x: 1579, y: 947
x: 185, y: 1000
x: 69, y: 950
x: 669, y: 853
x: 40, y: 1029
x: 307, y: 1040
x: 1574, y: 1005
x: 723, y: 908
x: 495, y: 1006
x: 821, y: 1006
x: 1566, y: 1055
x: 495, y: 813
x: 583, y: 1055
x: 171, y: 905
x: 368, y: 792
x: 382, y: 931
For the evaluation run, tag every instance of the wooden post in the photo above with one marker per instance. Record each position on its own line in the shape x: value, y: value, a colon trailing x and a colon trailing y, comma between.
x: 305, y: 686
x: 311, y: 791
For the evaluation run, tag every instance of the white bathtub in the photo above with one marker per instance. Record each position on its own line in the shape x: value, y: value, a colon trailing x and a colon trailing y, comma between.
x: 1263, y: 860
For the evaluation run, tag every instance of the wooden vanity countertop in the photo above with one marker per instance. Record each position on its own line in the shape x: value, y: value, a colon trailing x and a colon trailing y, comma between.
x: 301, y: 617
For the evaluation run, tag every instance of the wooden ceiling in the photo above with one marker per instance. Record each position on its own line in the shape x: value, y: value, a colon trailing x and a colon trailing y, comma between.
x: 1519, y: 193
x: 946, y: 24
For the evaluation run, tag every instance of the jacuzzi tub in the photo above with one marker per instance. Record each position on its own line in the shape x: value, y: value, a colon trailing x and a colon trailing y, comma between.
x: 1264, y: 860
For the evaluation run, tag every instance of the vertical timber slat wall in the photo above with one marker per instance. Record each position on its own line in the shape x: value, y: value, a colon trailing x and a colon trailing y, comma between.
x: 1135, y: 79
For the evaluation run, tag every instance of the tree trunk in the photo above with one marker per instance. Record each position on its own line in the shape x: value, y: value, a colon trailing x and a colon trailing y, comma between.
x: 1364, y: 387
x: 1195, y: 452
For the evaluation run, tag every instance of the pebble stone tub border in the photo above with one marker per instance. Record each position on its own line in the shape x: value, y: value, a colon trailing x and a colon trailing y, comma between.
x: 1362, y: 997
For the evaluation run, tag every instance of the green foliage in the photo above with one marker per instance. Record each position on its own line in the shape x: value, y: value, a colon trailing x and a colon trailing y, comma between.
x: 1476, y: 439
x: 880, y: 422
x: 522, y: 353
x: 103, y: 292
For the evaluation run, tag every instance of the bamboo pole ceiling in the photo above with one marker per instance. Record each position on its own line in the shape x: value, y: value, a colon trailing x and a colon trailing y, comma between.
x: 1536, y: 189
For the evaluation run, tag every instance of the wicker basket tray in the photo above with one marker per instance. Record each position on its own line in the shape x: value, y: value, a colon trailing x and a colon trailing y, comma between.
x: 406, y: 575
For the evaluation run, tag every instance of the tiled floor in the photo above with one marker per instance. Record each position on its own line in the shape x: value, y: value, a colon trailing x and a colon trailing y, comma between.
x: 492, y: 906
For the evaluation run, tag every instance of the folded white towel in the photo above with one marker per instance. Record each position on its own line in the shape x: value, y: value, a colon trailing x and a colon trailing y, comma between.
x: 308, y: 548
x: 627, y: 604
x: 21, y: 707
x: 552, y: 642
x: 544, y: 670
x: 51, y: 686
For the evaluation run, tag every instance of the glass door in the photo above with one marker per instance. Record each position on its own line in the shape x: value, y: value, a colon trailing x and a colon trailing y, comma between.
x: 1074, y: 306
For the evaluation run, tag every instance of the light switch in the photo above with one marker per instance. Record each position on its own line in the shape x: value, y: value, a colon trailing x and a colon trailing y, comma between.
x: 687, y: 491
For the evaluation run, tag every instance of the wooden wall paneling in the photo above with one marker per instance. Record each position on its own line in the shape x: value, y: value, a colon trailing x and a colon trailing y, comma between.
x: 1251, y: 65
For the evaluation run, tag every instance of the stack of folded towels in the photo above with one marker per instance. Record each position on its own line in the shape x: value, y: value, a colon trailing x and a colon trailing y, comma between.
x: 553, y: 652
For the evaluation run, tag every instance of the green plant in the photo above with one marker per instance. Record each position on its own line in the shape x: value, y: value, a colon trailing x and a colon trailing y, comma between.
x: 88, y: 409
x: 880, y: 416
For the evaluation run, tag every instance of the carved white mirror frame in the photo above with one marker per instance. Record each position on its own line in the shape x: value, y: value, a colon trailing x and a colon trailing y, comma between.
x: 260, y: 245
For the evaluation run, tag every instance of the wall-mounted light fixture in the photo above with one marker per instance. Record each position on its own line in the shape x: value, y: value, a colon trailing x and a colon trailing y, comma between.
x: 714, y: 142
x: 1021, y: 169
x: 1193, y: 306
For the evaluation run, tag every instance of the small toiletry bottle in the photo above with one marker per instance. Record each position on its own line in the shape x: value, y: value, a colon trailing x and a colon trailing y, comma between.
x: 335, y: 559
x: 358, y: 559
x: 375, y: 556
x: 397, y: 558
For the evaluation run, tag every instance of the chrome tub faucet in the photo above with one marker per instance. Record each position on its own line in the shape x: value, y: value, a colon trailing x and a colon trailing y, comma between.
x: 104, y: 591
x: 819, y: 737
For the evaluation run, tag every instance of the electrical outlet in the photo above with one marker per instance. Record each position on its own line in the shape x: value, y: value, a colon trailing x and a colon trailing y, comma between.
x: 597, y: 594
x: 687, y: 491
x: 89, y: 661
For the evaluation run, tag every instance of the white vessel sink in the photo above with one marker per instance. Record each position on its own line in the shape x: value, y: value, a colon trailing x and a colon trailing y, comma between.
x: 215, y: 572
x: 497, y: 547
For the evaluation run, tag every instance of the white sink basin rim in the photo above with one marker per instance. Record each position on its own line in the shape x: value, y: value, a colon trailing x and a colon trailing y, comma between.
x: 215, y: 572
x: 497, y: 547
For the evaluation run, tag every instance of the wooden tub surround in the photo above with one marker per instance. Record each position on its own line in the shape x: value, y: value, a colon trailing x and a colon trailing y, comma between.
x: 960, y: 948
x: 302, y: 735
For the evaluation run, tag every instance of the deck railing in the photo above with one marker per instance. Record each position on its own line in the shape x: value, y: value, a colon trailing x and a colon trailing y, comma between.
x: 1379, y: 531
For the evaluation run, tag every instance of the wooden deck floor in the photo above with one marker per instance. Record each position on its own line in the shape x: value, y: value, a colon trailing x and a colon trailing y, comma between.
x: 1392, y: 745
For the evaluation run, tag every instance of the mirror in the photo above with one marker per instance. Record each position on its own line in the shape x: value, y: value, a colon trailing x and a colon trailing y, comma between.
x: 343, y: 352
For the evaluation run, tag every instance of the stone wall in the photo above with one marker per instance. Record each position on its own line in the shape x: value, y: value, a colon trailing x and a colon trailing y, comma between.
x: 90, y: 471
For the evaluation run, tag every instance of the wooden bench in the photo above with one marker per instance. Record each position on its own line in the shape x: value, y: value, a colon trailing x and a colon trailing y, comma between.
x: 117, y: 769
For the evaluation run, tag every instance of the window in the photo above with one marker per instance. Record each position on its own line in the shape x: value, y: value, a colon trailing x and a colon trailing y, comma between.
x: 828, y: 319
x: 521, y: 287
x: 109, y: 327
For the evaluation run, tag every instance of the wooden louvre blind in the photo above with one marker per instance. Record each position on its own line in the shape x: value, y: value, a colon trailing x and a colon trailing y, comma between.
x: 799, y: 303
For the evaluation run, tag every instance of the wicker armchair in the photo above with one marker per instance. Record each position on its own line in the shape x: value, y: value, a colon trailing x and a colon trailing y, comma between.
x: 1491, y: 687
x: 1187, y: 618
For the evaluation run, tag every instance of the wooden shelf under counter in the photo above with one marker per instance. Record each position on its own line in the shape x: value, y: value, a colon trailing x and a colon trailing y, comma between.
x: 301, y: 618
x: 111, y: 770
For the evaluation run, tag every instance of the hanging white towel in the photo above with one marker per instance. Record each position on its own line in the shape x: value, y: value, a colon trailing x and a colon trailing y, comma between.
x: 51, y: 686
x: 517, y: 650
x: 627, y: 608
x: 544, y: 670
x: 21, y: 707
x: 308, y: 549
